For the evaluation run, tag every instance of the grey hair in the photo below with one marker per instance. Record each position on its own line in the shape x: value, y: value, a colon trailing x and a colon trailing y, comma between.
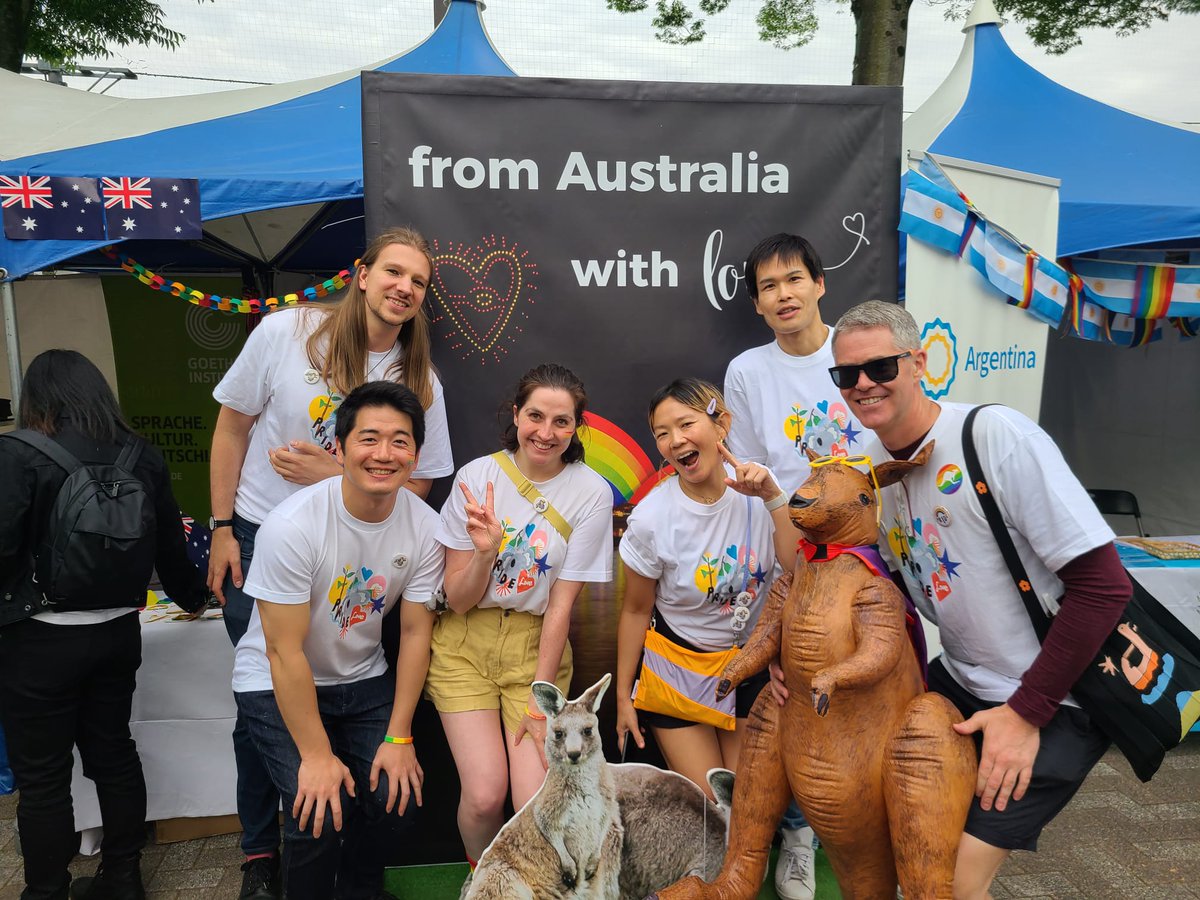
x: 877, y: 314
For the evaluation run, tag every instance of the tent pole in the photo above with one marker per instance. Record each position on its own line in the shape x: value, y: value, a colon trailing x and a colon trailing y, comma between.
x: 10, y: 338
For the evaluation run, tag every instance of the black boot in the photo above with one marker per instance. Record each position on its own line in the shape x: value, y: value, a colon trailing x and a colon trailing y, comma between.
x: 114, y: 880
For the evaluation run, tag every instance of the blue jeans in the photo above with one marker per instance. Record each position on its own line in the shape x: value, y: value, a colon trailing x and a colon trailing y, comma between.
x: 792, y: 818
x: 346, y: 865
x: 257, y: 799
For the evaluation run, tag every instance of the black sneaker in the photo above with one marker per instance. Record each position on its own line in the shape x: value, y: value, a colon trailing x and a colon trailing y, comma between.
x: 260, y: 879
x: 122, y: 882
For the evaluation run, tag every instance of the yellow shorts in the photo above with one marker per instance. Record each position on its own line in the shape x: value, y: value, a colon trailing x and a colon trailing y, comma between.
x: 487, y: 659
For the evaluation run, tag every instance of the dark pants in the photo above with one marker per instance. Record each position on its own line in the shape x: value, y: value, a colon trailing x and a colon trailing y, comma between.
x: 257, y: 799
x: 63, y: 686
x: 347, y: 865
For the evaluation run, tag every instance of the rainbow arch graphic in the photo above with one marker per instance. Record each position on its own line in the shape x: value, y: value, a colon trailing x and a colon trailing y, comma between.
x: 617, y: 457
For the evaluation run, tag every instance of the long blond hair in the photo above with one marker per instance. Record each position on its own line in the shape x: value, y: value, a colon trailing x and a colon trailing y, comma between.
x: 343, y: 332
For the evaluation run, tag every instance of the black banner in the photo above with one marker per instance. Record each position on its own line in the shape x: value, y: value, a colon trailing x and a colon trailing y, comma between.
x: 604, y: 225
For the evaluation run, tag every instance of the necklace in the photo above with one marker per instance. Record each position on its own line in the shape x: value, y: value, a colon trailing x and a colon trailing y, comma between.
x: 699, y: 498
x: 371, y: 371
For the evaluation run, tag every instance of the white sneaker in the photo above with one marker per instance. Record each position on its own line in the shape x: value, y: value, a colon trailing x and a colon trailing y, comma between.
x: 795, y: 870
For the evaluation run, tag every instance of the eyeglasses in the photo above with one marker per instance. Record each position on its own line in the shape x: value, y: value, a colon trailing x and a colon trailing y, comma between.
x: 880, y: 371
x: 855, y: 461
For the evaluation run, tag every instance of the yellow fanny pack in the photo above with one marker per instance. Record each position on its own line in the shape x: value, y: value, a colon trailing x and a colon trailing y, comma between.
x: 682, y: 683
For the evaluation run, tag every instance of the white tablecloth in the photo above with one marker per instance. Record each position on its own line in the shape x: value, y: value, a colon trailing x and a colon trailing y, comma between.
x: 183, y: 714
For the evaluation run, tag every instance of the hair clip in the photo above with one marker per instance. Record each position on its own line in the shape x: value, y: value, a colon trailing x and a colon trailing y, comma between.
x: 711, y: 409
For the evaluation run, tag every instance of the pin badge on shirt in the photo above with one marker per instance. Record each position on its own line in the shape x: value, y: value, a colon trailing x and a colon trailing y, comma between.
x: 312, y: 376
x: 541, y: 504
x: 399, y: 561
x: 942, y: 515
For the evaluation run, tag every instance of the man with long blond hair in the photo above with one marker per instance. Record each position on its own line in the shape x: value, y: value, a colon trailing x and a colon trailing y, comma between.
x: 275, y: 435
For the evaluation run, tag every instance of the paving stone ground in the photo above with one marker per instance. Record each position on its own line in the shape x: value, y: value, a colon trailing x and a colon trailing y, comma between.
x: 1118, y: 838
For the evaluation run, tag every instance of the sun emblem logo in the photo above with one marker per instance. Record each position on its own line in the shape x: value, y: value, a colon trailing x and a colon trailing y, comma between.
x: 941, y: 358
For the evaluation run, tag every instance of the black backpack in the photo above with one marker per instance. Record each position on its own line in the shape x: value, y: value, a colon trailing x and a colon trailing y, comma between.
x: 99, y: 546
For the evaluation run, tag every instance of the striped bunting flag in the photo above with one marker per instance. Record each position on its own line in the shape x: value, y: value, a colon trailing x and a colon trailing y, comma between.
x: 1091, y: 322
x: 932, y: 213
x: 1142, y: 291
x: 1126, y: 331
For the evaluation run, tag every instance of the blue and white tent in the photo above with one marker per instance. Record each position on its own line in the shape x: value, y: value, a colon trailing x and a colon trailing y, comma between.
x: 280, y: 167
x: 1126, y: 180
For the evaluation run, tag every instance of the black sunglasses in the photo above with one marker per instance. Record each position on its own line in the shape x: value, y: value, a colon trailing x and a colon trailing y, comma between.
x: 880, y: 371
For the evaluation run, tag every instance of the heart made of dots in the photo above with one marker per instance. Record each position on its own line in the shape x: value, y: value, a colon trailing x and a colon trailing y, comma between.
x: 478, y: 289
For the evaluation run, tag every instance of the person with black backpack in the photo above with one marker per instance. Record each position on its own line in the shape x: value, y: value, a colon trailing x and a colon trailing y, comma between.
x: 88, y: 515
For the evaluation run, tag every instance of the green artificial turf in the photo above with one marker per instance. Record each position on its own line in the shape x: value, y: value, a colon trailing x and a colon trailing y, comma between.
x: 444, y: 881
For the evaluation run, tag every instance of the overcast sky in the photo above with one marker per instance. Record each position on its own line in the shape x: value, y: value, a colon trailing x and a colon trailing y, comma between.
x: 1154, y: 73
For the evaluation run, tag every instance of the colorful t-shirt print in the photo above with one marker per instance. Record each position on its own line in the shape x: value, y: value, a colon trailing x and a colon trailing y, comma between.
x: 322, y: 414
x: 522, y: 559
x: 356, y: 594
x: 721, y: 576
x: 924, y: 559
x: 826, y: 428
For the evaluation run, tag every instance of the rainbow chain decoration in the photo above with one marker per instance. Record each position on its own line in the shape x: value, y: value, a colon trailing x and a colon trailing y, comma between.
x: 228, y: 304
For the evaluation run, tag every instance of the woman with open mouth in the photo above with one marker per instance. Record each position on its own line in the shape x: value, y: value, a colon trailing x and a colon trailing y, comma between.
x: 700, y: 553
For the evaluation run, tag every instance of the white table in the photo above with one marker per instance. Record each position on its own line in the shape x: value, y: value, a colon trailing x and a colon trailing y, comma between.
x: 182, y: 720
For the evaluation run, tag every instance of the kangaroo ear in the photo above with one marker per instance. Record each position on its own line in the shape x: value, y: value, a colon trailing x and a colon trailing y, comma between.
x: 721, y: 782
x: 592, y: 696
x: 812, y: 454
x: 549, y: 698
x: 894, y: 470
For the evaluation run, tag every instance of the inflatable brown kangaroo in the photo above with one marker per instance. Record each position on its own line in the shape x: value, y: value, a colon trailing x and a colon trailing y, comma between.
x: 869, y: 755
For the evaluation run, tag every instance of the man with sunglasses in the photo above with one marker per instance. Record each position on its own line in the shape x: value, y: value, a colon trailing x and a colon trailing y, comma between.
x: 782, y: 405
x: 1036, y: 745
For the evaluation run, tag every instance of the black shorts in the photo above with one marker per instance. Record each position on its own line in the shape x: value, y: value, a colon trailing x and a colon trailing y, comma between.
x: 744, y: 694
x: 1070, y: 746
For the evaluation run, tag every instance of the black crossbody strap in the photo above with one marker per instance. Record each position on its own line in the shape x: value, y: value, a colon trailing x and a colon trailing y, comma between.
x: 987, y: 500
x: 130, y: 453
x: 48, y: 446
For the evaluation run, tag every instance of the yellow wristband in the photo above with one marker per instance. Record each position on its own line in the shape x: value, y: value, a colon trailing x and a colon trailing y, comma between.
x: 536, y: 716
x: 388, y: 739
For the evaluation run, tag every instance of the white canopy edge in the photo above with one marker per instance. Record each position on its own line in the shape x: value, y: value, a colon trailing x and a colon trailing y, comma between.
x: 50, y: 117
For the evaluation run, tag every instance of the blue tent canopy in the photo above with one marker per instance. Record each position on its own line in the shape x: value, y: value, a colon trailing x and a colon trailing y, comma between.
x: 1126, y: 180
x: 305, y: 150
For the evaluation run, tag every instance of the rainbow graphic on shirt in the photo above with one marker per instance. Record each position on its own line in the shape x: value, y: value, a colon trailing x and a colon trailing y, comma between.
x: 613, y: 454
x: 354, y: 596
x: 949, y: 478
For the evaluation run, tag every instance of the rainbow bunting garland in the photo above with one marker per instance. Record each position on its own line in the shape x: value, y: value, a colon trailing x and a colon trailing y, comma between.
x: 1112, y: 301
x: 228, y: 304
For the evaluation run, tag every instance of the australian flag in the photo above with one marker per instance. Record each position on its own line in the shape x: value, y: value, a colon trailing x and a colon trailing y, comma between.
x: 152, y: 208
x: 199, y: 542
x: 46, y: 208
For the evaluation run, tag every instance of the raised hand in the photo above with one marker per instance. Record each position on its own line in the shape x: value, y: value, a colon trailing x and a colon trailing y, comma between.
x: 483, y: 528
x: 750, y: 479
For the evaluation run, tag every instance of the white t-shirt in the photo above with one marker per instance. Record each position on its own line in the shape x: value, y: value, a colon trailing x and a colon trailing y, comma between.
x: 938, y: 537
x: 311, y: 550
x: 273, y: 379
x: 780, y: 404
x: 533, y: 555
x: 697, y: 554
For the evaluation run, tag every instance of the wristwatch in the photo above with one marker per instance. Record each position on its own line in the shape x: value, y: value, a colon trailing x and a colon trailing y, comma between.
x: 214, y: 524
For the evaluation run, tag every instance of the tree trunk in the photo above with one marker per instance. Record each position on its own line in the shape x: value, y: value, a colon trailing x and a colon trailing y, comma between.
x: 881, y: 35
x: 14, y: 28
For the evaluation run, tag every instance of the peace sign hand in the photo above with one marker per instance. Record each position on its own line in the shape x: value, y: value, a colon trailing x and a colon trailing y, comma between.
x: 483, y: 528
x: 750, y: 479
